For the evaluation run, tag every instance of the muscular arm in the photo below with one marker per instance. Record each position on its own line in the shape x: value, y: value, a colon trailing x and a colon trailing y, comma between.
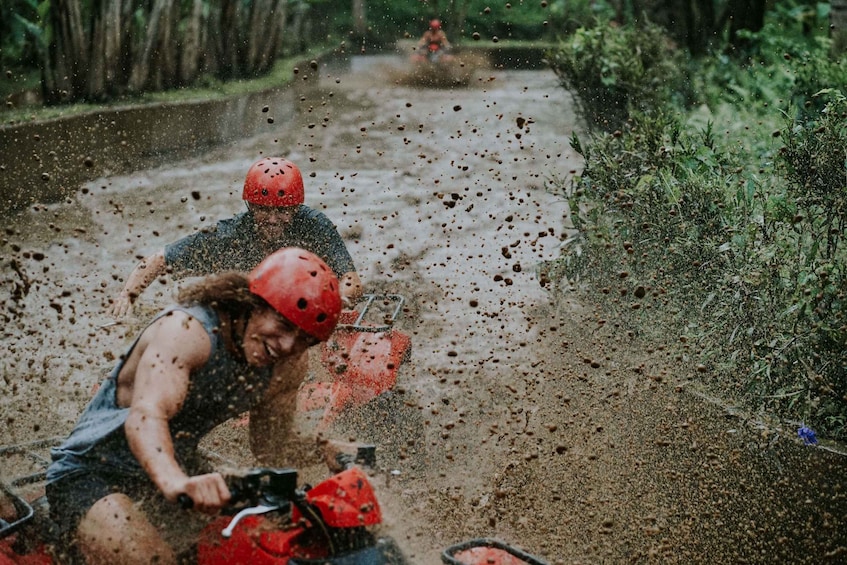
x: 139, y: 279
x: 174, y: 346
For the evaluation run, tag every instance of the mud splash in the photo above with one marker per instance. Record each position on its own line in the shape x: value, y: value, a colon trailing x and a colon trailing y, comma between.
x: 533, y: 420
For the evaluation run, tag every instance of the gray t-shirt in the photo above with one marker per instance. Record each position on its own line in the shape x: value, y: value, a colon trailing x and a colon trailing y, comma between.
x: 232, y: 244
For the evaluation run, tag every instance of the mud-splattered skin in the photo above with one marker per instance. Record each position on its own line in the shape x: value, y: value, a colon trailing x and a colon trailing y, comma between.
x: 537, y: 422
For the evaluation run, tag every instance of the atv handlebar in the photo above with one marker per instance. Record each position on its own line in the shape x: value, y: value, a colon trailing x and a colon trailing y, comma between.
x: 275, y: 489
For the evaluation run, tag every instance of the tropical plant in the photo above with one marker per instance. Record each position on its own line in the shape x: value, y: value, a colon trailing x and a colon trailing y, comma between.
x: 615, y: 71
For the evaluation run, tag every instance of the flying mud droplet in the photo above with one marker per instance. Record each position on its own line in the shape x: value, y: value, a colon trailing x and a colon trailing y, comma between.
x: 456, y: 108
x: 270, y: 120
x: 195, y: 194
x: 475, y: 36
x: 45, y: 177
x: 265, y: 109
x: 313, y: 64
x: 88, y: 162
x: 640, y: 292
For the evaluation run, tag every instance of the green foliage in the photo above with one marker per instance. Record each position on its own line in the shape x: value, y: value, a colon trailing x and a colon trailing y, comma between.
x: 614, y: 72
x: 567, y: 16
x: 786, y: 61
x: 522, y: 20
x: 739, y: 259
x: 20, y: 32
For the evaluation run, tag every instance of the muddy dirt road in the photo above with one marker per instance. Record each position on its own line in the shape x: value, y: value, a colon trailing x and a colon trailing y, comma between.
x: 529, y: 418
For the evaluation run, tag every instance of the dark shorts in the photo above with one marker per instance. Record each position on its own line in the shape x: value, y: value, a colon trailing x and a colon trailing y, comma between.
x: 71, y: 497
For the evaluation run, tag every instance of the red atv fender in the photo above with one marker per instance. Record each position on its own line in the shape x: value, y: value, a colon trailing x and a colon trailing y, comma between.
x: 487, y: 551
x: 362, y: 359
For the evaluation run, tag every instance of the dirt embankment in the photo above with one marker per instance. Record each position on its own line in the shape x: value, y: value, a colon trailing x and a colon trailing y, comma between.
x: 526, y: 416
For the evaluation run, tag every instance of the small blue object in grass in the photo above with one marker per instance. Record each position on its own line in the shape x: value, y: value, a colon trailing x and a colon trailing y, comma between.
x: 807, y: 435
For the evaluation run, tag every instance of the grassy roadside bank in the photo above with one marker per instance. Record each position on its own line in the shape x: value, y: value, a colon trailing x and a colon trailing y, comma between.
x: 282, y: 74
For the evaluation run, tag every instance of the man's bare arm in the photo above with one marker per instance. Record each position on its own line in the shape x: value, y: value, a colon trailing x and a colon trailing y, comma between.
x: 138, y: 280
x: 176, y: 345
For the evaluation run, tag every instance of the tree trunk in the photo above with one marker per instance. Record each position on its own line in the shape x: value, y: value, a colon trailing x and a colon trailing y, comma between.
x: 838, y: 26
x: 744, y: 15
x: 297, y: 30
x: 67, y: 59
x: 360, y: 22
x: 699, y: 24
x: 97, y: 61
x: 263, y: 34
x: 104, y: 76
x: 189, y: 67
x: 228, y: 27
x: 168, y: 47
x: 140, y: 78
x: 210, y: 47
x: 277, y: 24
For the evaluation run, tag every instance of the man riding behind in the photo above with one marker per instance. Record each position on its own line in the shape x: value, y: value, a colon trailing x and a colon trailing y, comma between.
x: 276, y: 217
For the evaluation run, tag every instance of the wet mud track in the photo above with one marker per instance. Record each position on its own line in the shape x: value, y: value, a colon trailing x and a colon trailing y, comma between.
x: 525, y: 418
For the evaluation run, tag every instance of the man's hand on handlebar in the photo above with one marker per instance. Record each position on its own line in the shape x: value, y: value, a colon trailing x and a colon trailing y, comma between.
x: 204, y: 493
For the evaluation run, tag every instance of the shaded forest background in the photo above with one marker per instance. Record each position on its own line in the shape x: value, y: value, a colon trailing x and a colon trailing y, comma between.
x: 96, y: 50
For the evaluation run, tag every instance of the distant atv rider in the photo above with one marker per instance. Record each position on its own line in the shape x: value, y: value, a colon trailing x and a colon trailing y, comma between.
x: 275, y: 218
x: 434, y: 37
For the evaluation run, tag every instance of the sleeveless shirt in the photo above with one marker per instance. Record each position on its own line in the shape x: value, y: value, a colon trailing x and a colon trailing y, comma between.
x: 221, y: 389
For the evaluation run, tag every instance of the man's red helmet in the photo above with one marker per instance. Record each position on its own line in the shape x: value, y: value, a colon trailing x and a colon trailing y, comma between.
x: 274, y: 182
x: 301, y: 287
x: 435, y: 24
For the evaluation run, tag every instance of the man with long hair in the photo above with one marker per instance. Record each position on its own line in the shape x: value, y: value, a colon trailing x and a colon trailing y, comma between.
x: 233, y: 343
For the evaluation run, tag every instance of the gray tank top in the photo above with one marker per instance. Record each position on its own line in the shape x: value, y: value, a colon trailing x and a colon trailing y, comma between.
x: 223, y: 388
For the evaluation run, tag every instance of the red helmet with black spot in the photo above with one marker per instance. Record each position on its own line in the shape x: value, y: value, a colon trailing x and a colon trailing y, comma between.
x: 301, y: 287
x: 275, y: 182
x: 435, y: 24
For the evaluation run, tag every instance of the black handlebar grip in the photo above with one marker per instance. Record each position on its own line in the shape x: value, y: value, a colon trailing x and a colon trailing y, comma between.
x: 185, y: 501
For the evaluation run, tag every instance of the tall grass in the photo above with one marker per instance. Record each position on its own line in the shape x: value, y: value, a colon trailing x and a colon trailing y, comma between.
x: 719, y: 224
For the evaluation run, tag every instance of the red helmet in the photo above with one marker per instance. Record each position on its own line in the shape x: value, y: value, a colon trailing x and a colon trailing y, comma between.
x: 301, y: 287
x: 435, y: 24
x: 274, y: 181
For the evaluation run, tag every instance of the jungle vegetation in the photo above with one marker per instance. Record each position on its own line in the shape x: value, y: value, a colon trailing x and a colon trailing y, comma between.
x: 712, y: 206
